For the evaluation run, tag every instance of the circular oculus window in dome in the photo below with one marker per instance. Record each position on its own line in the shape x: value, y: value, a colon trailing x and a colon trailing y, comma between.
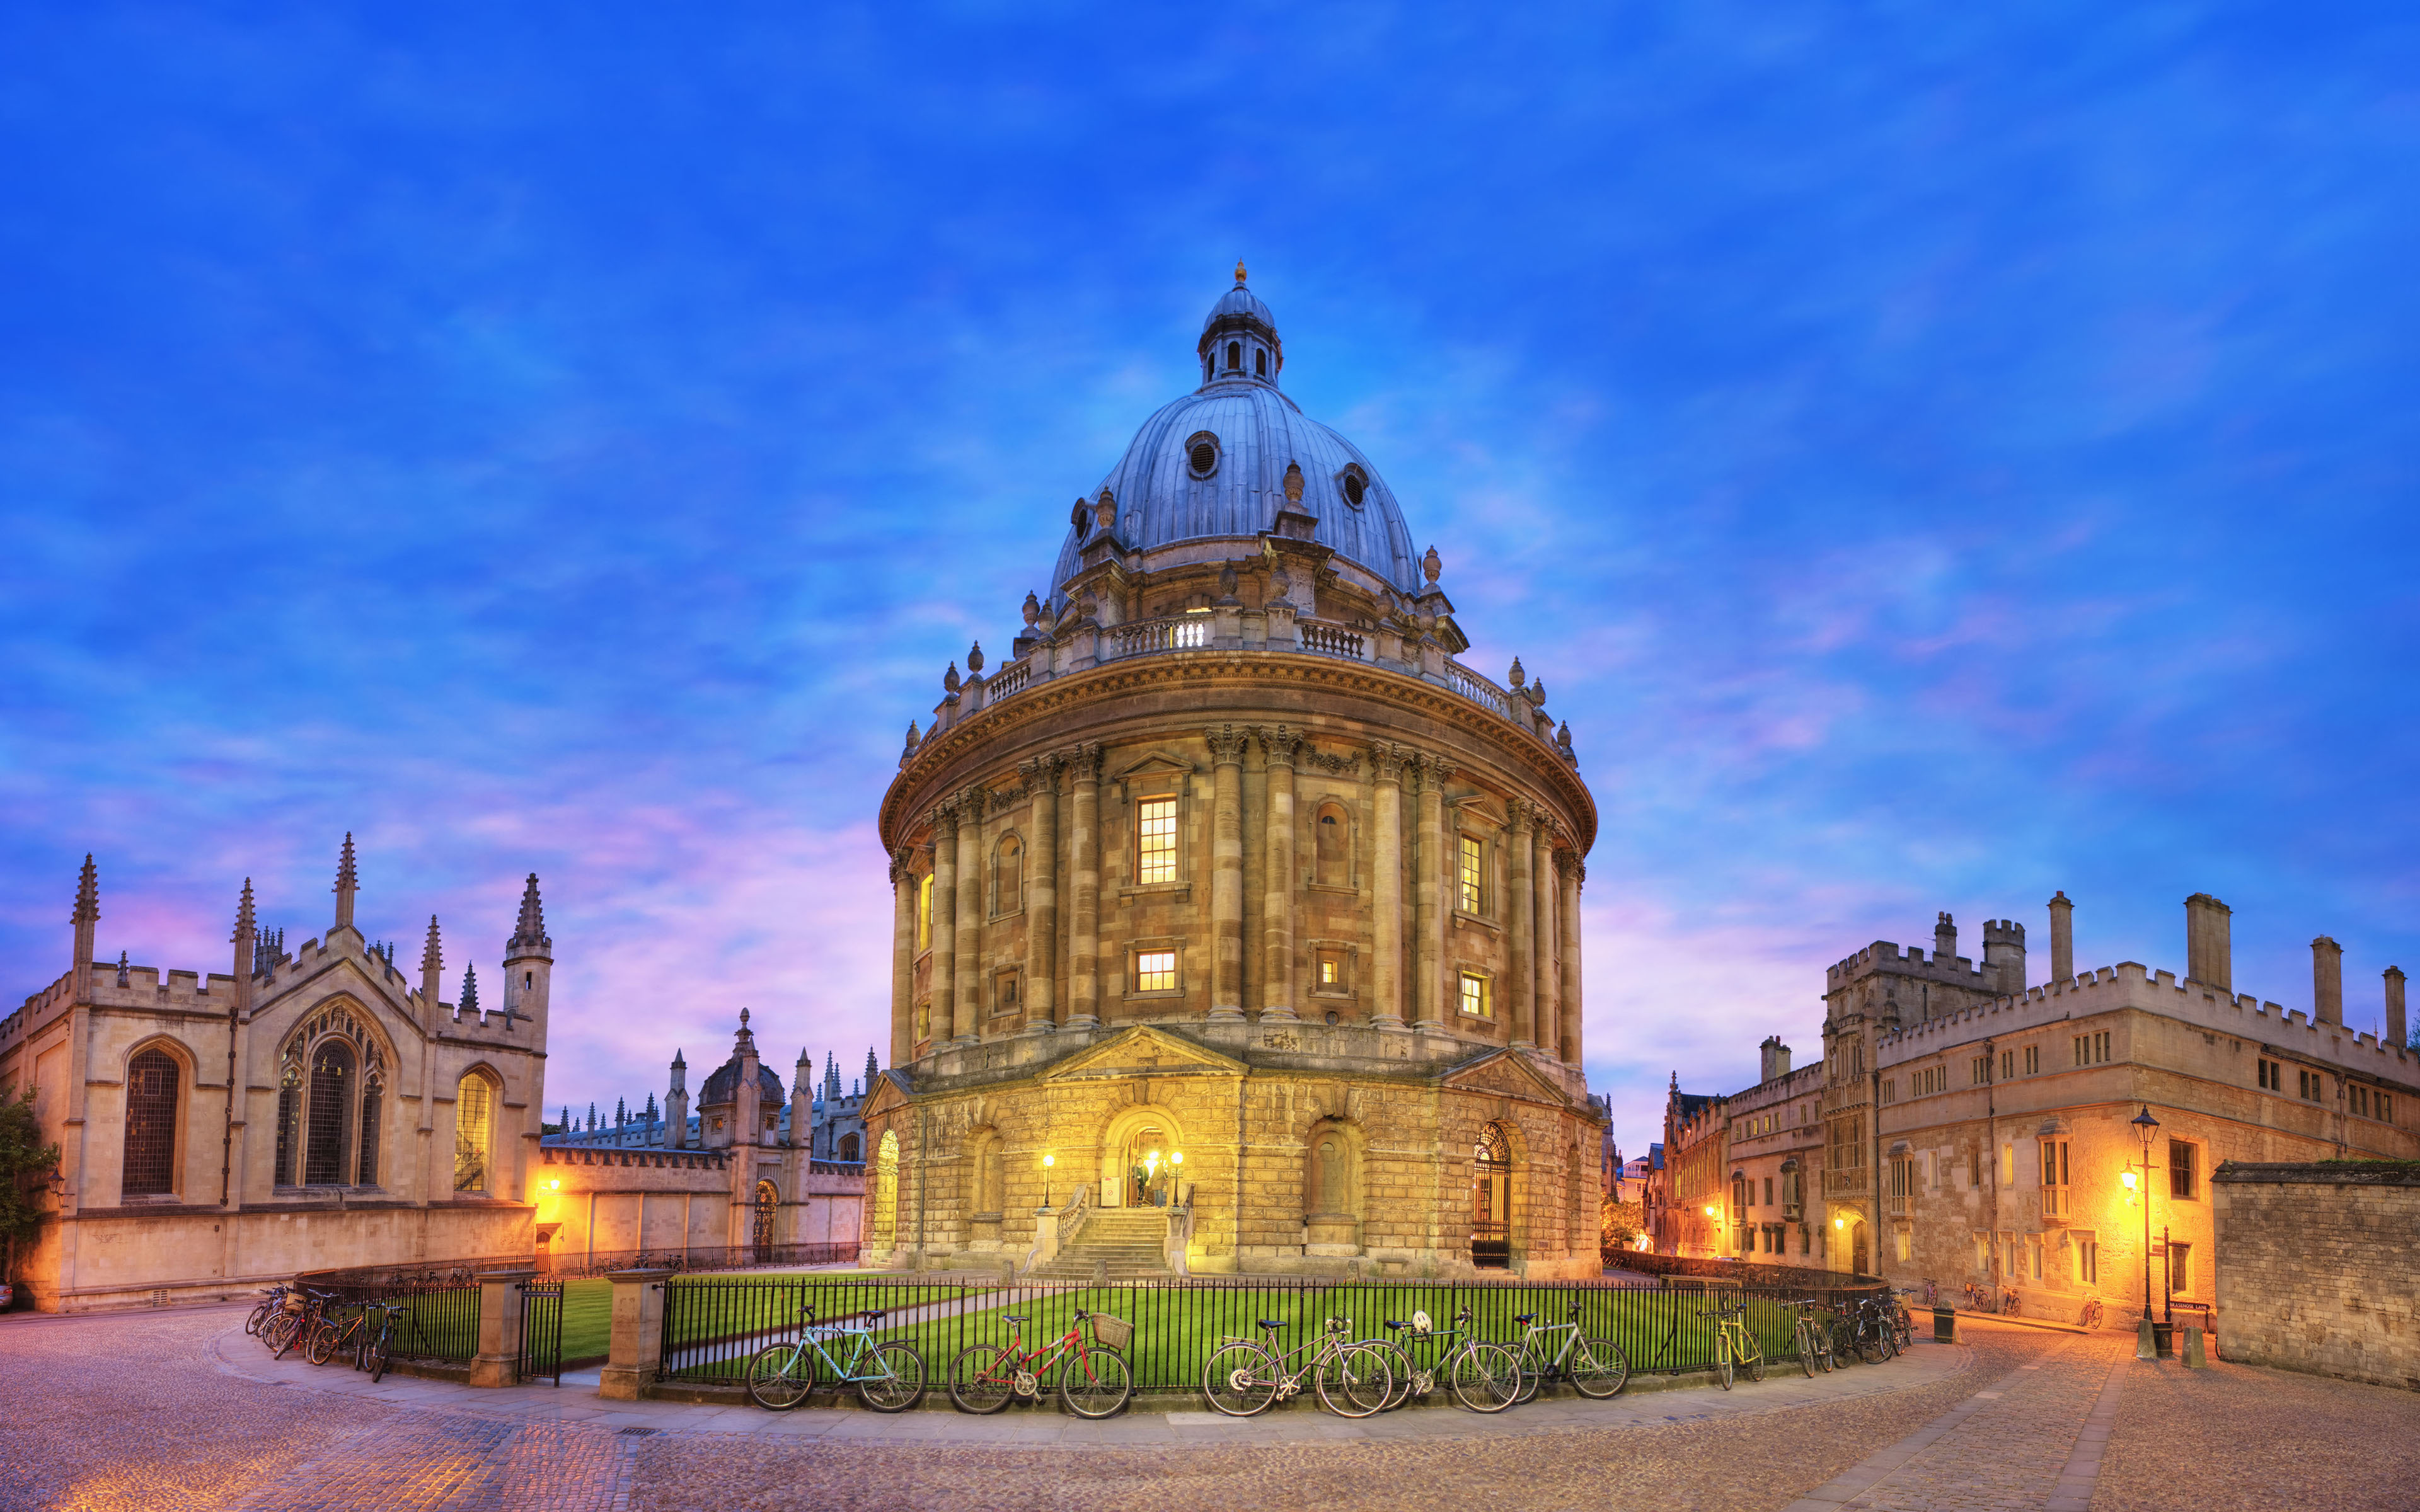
x: 1202, y: 455
x: 1355, y: 484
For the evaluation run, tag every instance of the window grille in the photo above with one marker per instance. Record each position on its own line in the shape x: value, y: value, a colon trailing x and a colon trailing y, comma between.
x: 151, y: 1081
x: 326, y: 1132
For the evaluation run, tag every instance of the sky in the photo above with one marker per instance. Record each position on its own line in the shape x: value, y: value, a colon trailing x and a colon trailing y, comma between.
x: 1933, y: 454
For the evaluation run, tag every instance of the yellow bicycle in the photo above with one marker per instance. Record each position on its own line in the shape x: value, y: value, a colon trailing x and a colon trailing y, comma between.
x: 1735, y: 1347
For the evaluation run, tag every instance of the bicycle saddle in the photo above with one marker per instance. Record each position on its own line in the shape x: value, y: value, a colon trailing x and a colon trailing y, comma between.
x: 1523, y: 1317
x: 876, y: 1318
x: 1272, y: 1322
x: 1012, y: 1318
x: 1397, y: 1322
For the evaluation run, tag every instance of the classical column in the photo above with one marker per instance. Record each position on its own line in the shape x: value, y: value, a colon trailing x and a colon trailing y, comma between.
x: 1084, y: 858
x: 1546, y: 962
x: 1520, y: 944
x: 1428, y: 898
x: 1042, y: 894
x: 1387, y: 887
x: 1227, y: 873
x: 967, y: 981
x: 1570, y: 936
x: 942, y: 970
x: 1278, y: 746
x: 902, y: 957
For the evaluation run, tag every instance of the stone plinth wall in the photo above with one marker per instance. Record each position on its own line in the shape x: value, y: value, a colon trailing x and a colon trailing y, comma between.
x: 2315, y: 1267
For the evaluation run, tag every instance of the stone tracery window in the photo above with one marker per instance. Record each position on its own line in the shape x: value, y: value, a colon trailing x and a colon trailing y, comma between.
x: 154, y: 1084
x: 475, y: 1130
x: 331, y: 1087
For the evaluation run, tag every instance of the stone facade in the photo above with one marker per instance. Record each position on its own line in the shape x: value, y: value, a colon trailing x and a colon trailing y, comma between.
x: 366, y: 1121
x: 2315, y: 1267
x: 1231, y: 860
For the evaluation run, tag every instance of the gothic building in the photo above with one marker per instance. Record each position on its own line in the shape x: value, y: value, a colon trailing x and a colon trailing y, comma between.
x: 303, y: 1110
x: 1231, y: 895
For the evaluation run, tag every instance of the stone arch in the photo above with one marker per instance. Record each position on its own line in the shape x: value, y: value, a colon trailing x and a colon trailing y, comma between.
x: 1008, y: 874
x: 986, y: 1171
x: 763, y: 1215
x: 1499, y: 1235
x: 159, y: 1079
x: 884, y: 1224
x: 1126, y: 1137
x: 849, y: 1147
x: 334, y: 1068
x: 478, y: 1106
x: 1334, y: 1193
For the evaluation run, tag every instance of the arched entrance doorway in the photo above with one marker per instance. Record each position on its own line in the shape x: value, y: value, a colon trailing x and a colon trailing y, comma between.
x: 1491, y: 1199
x: 1861, y: 1258
x: 885, y: 1217
x: 1142, y: 1160
x: 760, y: 1224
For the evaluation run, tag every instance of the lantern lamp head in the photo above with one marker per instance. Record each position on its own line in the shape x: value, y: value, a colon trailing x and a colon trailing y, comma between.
x: 1049, y: 1161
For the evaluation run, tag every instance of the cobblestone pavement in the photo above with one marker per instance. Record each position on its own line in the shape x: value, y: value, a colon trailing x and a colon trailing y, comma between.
x: 168, y: 1411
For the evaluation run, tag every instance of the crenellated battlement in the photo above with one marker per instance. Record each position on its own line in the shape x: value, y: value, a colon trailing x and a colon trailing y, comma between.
x: 2131, y: 985
x: 1886, y: 956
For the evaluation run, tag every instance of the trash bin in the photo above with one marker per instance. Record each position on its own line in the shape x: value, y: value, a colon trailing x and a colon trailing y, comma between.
x: 2164, y: 1336
x: 1945, y: 1324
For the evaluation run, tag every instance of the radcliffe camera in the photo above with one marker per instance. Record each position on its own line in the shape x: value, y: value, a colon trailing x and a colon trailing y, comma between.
x: 763, y: 760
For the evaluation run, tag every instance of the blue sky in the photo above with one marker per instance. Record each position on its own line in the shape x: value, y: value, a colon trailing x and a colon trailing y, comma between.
x: 1935, y: 456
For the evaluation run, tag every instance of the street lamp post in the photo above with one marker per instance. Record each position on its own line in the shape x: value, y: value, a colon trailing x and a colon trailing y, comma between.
x: 1047, y: 1161
x: 2146, y: 1126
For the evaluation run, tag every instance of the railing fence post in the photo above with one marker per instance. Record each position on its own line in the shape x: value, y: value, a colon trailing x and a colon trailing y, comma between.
x: 636, y: 1352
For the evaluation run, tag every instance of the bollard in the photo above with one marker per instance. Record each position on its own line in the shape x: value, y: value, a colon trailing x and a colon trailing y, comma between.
x: 2195, y: 1359
x: 2146, y: 1347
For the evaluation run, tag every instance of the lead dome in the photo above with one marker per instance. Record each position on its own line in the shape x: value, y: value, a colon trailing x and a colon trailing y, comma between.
x: 1212, y: 465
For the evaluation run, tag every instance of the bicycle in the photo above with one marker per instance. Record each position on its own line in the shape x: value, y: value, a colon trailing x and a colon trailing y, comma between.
x: 889, y: 1376
x: 2090, y: 1316
x: 1597, y: 1367
x: 273, y: 1302
x: 1242, y: 1376
x: 1484, y: 1377
x: 1902, y: 1322
x: 331, y: 1335
x: 984, y: 1377
x: 1870, y: 1333
x: 1735, y: 1345
x: 1810, y: 1339
x: 295, y: 1323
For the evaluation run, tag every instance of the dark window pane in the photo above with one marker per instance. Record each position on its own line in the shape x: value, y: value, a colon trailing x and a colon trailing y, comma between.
x: 369, y: 1145
x: 151, y: 1124
x: 324, y: 1141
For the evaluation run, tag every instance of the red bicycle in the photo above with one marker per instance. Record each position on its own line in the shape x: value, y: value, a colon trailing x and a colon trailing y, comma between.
x: 1093, y: 1380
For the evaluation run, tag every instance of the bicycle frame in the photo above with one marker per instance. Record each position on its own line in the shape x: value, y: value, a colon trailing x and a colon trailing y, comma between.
x: 814, y: 1334
x: 1330, y: 1345
x: 1043, y: 1358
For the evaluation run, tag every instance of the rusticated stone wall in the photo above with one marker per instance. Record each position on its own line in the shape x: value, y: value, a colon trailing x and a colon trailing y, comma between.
x: 2315, y: 1267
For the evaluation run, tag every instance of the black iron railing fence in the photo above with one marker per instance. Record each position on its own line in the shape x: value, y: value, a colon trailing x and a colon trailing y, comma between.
x: 438, y: 1317
x: 694, y: 1257
x: 712, y: 1325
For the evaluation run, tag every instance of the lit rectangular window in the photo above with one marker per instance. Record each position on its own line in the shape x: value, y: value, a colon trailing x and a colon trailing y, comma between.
x: 1472, y: 894
x: 1473, y: 996
x: 1155, y: 840
x: 924, y: 911
x: 1154, y: 971
x: 1327, y: 971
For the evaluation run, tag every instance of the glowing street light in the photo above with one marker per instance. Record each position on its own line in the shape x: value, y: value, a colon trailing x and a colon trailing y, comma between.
x: 1047, y: 1161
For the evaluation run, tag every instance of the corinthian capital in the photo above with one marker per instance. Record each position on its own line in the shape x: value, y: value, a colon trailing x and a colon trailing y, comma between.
x: 1390, y: 759
x: 1227, y: 743
x: 1278, y: 743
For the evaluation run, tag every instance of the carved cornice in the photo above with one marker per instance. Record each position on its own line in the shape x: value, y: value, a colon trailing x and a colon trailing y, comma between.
x: 1227, y: 743
x: 1524, y: 756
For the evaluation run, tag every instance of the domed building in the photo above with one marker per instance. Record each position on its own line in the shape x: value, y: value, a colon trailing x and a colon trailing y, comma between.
x: 1237, y: 919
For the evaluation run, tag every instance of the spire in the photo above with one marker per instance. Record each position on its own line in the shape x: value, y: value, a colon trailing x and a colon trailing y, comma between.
x: 529, y: 933
x: 873, y: 1068
x: 469, y: 989
x: 621, y: 1112
x: 247, y: 929
x: 432, y: 965
x: 347, y: 883
x: 1239, y: 272
x: 87, y: 913
x: 678, y: 1064
x: 592, y: 1115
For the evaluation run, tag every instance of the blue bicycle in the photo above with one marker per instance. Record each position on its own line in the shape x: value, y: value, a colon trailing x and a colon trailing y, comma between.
x: 889, y: 1375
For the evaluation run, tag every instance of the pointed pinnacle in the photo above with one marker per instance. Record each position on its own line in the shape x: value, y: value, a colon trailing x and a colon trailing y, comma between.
x: 345, y: 876
x: 245, y: 920
x: 87, y: 905
x: 432, y: 958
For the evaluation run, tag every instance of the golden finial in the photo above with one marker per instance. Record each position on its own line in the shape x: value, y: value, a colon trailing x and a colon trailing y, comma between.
x: 1239, y: 271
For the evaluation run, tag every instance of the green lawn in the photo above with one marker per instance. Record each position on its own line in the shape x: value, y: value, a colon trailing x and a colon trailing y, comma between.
x: 1177, y: 1328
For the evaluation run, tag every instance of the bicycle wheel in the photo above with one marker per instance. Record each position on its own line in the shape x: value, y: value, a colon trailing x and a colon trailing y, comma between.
x: 1804, y: 1342
x: 1599, y: 1368
x: 1752, y: 1356
x: 1723, y: 1362
x: 1869, y: 1346
x: 292, y: 1330
x: 982, y: 1379
x: 897, y: 1376
x: 1485, y: 1378
x: 1534, y: 1360
x: 259, y: 1316
x: 780, y: 1376
x: 1096, y: 1383
x: 321, y: 1346
x: 1354, y: 1382
x: 1240, y: 1380
x: 374, y: 1358
x: 1400, y: 1368
x: 1844, y: 1344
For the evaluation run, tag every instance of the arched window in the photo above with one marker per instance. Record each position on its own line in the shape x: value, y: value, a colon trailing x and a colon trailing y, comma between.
x: 290, y: 1120
x: 990, y: 1173
x: 1008, y: 876
x: 849, y: 1147
x: 925, y: 912
x: 153, y: 1080
x: 475, y: 1133
x: 760, y: 1232
x: 1491, y: 1199
x: 327, y: 1129
x: 1234, y: 357
x: 1261, y: 362
x: 1332, y: 1186
x: 1331, y: 840
x: 373, y: 1106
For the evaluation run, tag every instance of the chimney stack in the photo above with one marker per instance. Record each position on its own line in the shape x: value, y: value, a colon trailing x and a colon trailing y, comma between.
x: 2062, y: 938
x: 2327, y: 981
x: 2210, y: 954
x: 1773, y: 1059
x: 2397, y: 1032
x: 1945, y: 940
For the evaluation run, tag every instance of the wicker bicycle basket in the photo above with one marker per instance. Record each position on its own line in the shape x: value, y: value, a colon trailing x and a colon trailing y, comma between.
x: 1114, y: 1331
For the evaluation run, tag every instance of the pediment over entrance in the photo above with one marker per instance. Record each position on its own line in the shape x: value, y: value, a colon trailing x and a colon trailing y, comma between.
x: 1506, y: 1073
x: 1143, y: 1051
x: 889, y: 1092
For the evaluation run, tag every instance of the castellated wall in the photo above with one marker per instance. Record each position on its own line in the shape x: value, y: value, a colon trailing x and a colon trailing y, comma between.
x: 2314, y: 1268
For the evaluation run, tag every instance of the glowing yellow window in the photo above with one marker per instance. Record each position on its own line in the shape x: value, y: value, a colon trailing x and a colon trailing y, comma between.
x: 1155, y: 971
x: 1470, y: 889
x: 924, y: 911
x: 1327, y: 972
x: 1155, y: 837
x: 1473, y: 996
